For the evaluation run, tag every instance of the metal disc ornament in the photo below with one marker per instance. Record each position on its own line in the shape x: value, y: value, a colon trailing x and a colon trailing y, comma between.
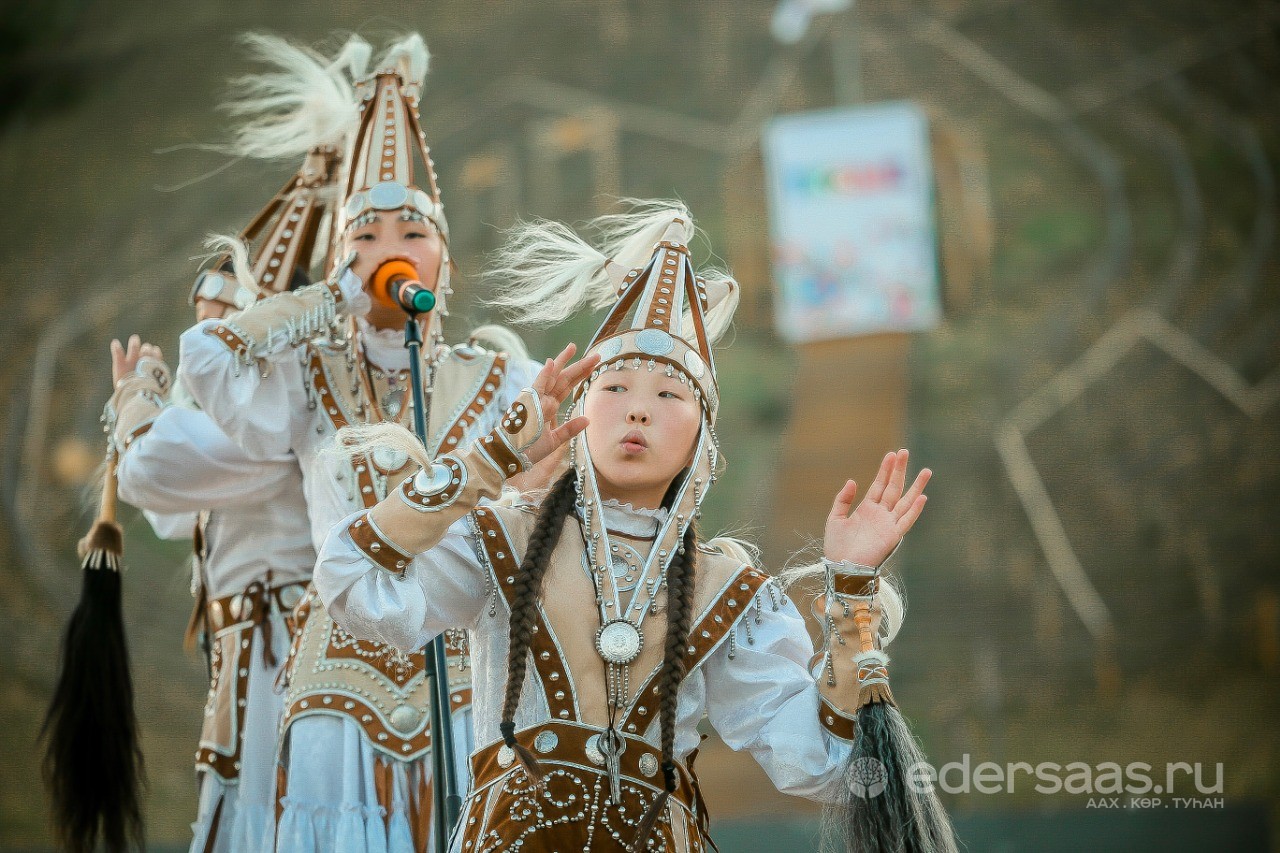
x: 654, y: 342
x: 390, y: 459
x: 619, y: 642
x: 433, y: 480
x: 610, y: 348
x: 388, y: 195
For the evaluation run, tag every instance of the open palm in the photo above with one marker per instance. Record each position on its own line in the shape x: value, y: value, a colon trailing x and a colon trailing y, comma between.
x: 868, y: 534
x: 553, y: 384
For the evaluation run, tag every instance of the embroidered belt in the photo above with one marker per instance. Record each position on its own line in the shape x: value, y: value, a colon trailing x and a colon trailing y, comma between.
x: 251, y: 608
x: 231, y: 621
x: 576, y: 809
x: 252, y: 604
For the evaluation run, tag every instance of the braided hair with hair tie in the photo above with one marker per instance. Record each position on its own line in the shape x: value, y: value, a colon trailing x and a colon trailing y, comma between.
x: 525, y: 592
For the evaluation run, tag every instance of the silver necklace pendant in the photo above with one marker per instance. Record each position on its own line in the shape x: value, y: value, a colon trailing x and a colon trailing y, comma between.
x: 619, y: 641
x: 611, y: 746
x: 392, y: 402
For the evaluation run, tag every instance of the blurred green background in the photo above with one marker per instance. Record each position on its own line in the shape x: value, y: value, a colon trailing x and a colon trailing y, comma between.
x: 1099, y: 404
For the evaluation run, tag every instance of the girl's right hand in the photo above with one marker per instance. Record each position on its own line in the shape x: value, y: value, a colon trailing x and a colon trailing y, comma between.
x: 554, y: 383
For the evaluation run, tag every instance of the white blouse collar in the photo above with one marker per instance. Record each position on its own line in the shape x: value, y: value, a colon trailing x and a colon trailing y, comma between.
x: 631, y: 520
x: 384, y: 347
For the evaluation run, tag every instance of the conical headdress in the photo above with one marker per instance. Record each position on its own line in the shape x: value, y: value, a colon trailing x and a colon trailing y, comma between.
x: 388, y: 148
x: 380, y: 174
x: 292, y: 222
x: 659, y: 322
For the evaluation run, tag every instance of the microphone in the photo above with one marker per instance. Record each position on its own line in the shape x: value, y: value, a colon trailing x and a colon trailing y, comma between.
x: 395, y: 284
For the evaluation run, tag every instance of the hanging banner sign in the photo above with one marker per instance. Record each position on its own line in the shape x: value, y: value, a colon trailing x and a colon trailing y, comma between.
x: 852, y: 221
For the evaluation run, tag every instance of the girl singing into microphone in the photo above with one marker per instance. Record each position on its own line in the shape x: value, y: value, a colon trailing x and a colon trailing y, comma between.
x: 286, y: 374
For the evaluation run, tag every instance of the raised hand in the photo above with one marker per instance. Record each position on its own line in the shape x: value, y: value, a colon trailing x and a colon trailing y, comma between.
x: 124, y: 359
x: 868, y: 534
x: 554, y: 383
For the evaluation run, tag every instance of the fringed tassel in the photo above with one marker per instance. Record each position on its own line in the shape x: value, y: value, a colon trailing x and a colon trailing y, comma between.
x: 884, y: 810
x: 420, y: 813
x: 527, y: 759
x: 93, y: 760
x: 644, y: 829
x: 383, y: 786
x: 873, y: 679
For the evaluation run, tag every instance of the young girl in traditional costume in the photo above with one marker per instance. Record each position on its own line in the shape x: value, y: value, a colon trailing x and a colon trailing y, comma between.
x: 603, y: 628
x: 283, y: 376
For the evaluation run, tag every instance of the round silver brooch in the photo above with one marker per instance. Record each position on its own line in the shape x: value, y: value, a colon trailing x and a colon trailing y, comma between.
x: 433, y: 480
x: 290, y: 596
x: 405, y: 718
x: 610, y: 348
x: 545, y: 741
x: 388, y: 195
x: 648, y: 764
x: 506, y: 756
x: 211, y: 284
x: 594, y: 755
x: 619, y: 642
x: 695, y: 364
x: 389, y: 459
x: 654, y: 342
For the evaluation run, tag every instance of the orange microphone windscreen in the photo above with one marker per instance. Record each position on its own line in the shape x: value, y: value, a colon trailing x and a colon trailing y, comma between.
x: 388, y: 272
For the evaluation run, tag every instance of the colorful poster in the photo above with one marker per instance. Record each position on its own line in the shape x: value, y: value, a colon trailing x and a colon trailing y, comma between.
x: 852, y: 221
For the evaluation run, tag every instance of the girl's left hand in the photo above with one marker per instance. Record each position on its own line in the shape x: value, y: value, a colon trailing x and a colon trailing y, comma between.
x: 125, y: 358
x: 873, y: 530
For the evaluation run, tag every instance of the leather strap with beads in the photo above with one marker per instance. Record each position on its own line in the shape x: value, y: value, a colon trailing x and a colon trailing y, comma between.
x: 711, y: 628
x: 380, y: 550
x: 553, y: 672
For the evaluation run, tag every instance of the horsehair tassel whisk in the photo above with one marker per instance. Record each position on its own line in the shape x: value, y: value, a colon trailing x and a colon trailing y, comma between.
x: 93, y: 759
x: 891, y: 815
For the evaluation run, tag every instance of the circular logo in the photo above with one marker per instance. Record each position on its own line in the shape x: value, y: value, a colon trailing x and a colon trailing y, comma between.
x: 867, y: 778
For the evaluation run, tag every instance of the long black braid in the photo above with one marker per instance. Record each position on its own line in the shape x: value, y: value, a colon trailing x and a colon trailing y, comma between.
x: 526, y: 590
x: 681, y: 579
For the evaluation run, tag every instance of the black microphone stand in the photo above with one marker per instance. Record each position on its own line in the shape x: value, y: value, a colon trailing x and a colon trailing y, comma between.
x: 444, y: 769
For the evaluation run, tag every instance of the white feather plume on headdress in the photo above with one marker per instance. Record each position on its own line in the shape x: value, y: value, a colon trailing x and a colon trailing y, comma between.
x: 228, y: 245
x: 545, y: 272
x: 306, y: 101
x: 410, y: 57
